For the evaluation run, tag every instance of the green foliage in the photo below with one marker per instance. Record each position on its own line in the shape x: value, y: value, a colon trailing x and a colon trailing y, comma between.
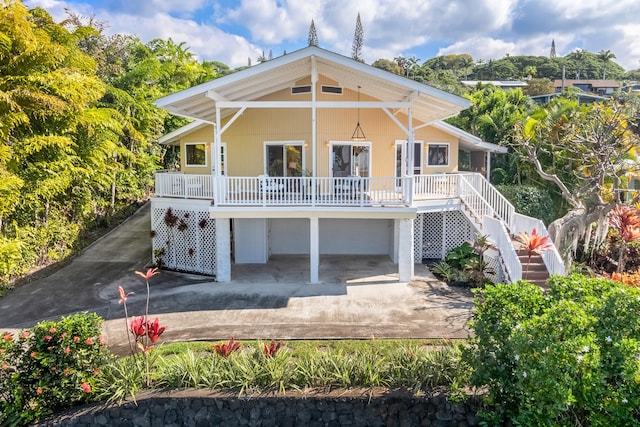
x: 52, y: 366
x: 445, y: 271
x: 565, y: 357
x: 459, y: 256
x: 529, y: 200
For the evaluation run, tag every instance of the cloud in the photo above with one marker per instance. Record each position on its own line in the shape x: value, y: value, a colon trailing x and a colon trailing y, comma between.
x: 231, y: 31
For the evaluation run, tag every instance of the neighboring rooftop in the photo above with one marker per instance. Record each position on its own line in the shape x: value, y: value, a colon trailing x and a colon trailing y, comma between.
x: 502, y: 84
x: 598, y: 87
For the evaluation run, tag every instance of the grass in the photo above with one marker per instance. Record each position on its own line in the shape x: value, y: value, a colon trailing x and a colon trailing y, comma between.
x: 416, y: 365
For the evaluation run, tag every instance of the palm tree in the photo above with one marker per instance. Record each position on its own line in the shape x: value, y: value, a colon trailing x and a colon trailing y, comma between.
x: 605, y: 56
x: 578, y: 57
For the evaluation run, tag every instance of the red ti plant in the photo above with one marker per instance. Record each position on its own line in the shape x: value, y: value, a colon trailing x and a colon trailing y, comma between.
x: 225, y: 349
x: 272, y: 349
x: 533, y: 243
x: 625, y: 220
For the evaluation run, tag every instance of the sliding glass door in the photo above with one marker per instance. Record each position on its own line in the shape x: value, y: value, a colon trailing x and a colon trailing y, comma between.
x: 350, y: 159
x: 284, y: 159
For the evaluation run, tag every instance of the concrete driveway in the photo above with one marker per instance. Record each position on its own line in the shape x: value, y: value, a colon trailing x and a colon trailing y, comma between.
x: 360, y: 297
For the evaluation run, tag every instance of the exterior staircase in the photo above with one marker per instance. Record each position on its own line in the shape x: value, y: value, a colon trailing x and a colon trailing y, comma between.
x: 534, y: 270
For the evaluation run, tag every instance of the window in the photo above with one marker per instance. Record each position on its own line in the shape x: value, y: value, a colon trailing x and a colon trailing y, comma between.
x: 223, y: 160
x: 402, y: 152
x: 348, y: 159
x: 284, y: 158
x: 196, y: 154
x: 438, y: 155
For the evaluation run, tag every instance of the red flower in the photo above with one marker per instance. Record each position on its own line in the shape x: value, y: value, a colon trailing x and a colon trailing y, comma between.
x: 534, y: 243
x: 136, y: 326
x: 149, y: 274
x: 5, y: 367
x: 86, y: 387
x: 52, y: 330
x: 39, y: 390
x: 67, y: 350
x: 154, y: 330
x: 226, y: 349
x: 76, y: 339
x: 101, y: 339
x: 53, y: 368
x: 88, y: 341
x: 7, y: 336
x: 34, y: 354
x: 272, y: 349
x: 123, y: 296
x: 63, y: 335
x: 25, y: 334
x: 47, y: 337
x: 96, y: 371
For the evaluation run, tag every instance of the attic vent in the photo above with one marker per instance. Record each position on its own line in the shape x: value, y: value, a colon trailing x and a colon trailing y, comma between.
x: 337, y: 90
x: 300, y: 89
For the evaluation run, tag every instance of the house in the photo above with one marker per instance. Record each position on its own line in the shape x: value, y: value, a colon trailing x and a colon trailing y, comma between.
x: 313, y: 153
x: 505, y: 85
x: 597, y: 87
x: 582, y: 98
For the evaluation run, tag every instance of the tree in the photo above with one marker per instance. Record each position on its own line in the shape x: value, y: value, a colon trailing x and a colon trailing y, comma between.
x: 538, y: 87
x: 605, y: 56
x: 387, y: 65
x: 313, y: 36
x: 358, y: 36
x: 589, y: 150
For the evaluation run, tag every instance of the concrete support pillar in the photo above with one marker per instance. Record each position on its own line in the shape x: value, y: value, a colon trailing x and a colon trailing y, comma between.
x: 405, y: 250
x: 223, y: 250
x: 314, y: 250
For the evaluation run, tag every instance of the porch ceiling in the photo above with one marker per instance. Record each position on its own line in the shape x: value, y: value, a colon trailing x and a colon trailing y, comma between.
x: 251, y: 84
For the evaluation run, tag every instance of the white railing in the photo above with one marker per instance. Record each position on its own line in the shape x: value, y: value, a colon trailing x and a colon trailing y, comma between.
x: 552, y: 259
x: 502, y: 208
x: 473, y: 200
x: 499, y: 235
x: 435, y: 186
x: 287, y: 191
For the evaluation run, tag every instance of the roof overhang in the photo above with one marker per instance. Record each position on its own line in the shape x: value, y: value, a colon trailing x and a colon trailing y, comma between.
x: 173, y: 138
x: 252, y: 84
x: 468, y: 141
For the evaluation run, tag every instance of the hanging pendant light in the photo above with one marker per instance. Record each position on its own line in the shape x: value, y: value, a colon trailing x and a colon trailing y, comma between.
x: 358, y: 133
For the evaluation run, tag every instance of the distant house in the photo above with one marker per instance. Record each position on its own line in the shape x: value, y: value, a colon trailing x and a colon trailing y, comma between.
x: 583, y: 98
x: 276, y: 163
x: 502, y: 84
x: 597, y: 87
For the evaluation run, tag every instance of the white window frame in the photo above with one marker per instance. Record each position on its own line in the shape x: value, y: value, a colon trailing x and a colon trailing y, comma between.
x: 406, y: 162
x: 351, y: 143
x: 186, y: 156
x: 284, y: 144
x: 438, y: 144
x: 223, y: 159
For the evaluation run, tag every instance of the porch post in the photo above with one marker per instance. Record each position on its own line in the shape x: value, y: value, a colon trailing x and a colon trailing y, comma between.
x: 314, y: 250
x: 405, y: 250
x: 488, y: 174
x: 223, y: 250
x: 314, y: 133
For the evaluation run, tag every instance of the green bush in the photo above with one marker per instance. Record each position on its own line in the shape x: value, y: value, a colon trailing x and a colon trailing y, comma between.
x: 52, y: 366
x: 566, y: 357
x: 529, y: 200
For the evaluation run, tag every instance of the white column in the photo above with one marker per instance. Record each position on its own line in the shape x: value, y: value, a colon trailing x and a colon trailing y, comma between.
x: 488, y: 166
x: 405, y: 250
x: 223, y: 250
x: 314, y: 250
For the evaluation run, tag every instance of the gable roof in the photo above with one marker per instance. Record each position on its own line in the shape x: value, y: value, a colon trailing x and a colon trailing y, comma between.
x: 250, y: 84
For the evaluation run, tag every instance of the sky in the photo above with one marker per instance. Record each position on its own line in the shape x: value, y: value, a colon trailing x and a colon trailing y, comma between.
x: 232, y: 31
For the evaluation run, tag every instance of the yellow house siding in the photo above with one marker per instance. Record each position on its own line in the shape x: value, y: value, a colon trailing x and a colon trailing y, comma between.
x: 245, y: 138
x: 204, y: 135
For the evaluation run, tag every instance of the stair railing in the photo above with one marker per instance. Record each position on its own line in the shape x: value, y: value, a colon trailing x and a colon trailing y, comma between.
x: 552, y: 259
x: 473, y: 200
x: 500, y: 236
x: 502, y: 208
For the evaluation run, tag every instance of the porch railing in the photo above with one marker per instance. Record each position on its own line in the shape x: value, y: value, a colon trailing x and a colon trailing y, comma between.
x: 287, y: 191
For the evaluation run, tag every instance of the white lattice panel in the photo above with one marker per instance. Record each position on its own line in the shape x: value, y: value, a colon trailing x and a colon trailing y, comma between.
x: 456, y: 230
x: 187, y: 238
x: 428, y: 237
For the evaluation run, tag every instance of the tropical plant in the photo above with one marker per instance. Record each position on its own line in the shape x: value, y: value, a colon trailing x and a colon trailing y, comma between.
x: 225, y: 349
x: 533, y: 243
x: 625, y: 221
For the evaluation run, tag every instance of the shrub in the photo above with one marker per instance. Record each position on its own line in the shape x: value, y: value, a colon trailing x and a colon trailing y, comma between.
x: 529, y: 200
x: 52, y: 366
x: 566, y: 357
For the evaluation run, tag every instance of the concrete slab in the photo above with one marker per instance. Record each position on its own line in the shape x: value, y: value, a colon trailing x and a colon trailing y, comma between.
x: 359, y: 297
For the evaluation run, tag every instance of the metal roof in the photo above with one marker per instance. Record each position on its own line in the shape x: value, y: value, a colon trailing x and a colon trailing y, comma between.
x: 251, y: 84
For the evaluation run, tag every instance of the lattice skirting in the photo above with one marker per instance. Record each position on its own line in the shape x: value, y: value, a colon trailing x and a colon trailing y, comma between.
x: 184, y: 238
x: 435, y: 233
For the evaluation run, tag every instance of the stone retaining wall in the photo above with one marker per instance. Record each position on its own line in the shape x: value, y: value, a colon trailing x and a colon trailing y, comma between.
x: 198, y: 408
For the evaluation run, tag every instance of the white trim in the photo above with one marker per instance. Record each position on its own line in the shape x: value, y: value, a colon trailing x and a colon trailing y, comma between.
x: 175, y: 135
x: 295, y: 143
x: 351, y: 143
x: 204, y: 147
x: 448, y: 159
x: 222, y: 161
x: 468, y: 138
x: 409, y: 162
x: 309, y: 104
